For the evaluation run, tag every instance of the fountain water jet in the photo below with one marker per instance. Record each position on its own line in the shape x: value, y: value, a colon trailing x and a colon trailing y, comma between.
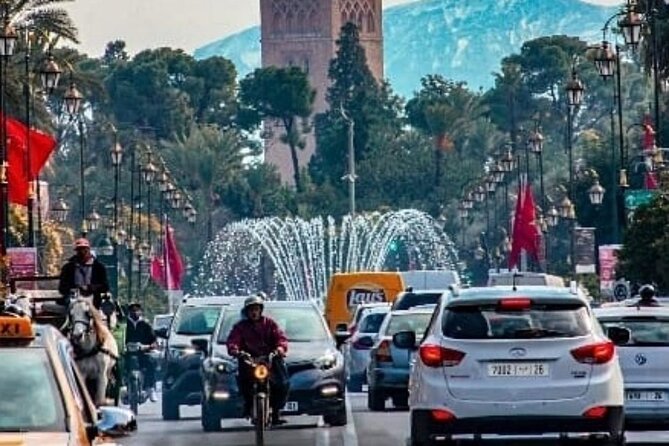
x: 305, y: 253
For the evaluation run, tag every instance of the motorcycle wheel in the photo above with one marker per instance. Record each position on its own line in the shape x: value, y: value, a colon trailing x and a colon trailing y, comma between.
x: 260, y: 418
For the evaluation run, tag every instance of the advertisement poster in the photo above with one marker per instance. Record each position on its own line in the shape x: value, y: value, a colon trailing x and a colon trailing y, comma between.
x: 22, y: 263
x: 584, y: 250
x: 608, y: 258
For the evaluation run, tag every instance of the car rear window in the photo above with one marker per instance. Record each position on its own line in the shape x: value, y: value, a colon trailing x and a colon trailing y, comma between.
x: 372, y: 323
x: 416, y: 322
x: 646, y: 331
x: 29, y: 397
x: 539, y: 321
x: 410, y: 300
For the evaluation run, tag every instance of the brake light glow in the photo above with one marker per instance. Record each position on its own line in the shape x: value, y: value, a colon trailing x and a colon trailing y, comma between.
x: 438, y: 356
x: 596, y: 412
x: 383, y: 352
x: 442, y: 415
x: 515, y: 304
x: 600, y: 353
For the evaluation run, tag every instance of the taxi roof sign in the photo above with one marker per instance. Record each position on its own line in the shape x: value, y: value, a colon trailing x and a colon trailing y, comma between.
x: 15, y: 328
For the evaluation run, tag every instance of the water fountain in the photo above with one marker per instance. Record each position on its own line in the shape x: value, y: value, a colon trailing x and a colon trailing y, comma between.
x: 301, y: 255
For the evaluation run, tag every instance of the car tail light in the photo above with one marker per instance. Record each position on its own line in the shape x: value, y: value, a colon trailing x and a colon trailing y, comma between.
x: 438, y: 356
x: 442, y: 415
x: 599, y: 353
x: 514, y: 304
x: 383, y: 352
x: 596, y: 412
x: 363, y: 343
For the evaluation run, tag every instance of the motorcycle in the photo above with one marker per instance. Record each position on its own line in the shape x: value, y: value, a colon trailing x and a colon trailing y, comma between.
x: 260, y: 368
x: 135, y: 394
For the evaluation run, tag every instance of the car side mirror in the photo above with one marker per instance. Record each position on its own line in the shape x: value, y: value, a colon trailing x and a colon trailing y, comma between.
x: 619, y: 335
x: 161, y: 332
x: 115, y: 422
x: 201, y: 345
x: 405, y: 340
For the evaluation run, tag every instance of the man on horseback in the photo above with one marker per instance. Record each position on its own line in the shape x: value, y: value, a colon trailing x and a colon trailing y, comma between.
x: 85, y: 273
x: 140, y: 331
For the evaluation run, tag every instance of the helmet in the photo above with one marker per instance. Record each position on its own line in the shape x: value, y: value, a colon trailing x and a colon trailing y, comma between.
x: 254, y: 300
x: 262, y: 295
x: 82, y: 243
x: 647, y: 291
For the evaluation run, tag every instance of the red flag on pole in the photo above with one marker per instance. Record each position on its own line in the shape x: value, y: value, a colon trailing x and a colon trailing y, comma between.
x: 174, y: 268
x: 19, y: 173
x: 158, y: 271
x: 526, y: 235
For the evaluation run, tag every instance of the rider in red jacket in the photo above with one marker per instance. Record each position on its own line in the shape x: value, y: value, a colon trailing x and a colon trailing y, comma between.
x: 260, y: 335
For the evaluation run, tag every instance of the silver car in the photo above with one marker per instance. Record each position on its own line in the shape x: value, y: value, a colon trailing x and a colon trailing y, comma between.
x: 357, y: 348
x: 515, y: 361
x: 645, y: 363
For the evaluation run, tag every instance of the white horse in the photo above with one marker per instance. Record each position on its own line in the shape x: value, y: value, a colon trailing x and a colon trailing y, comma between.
x: 95, y: 349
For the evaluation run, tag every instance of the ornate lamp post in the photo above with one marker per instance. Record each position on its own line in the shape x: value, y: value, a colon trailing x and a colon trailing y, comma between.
x: 596, y: 193
x: 73, y: 100
x: 60, y: 210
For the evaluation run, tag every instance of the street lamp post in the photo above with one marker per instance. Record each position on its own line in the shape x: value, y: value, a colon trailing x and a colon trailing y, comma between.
x: 73, y: 99
x: 351, y: 176
x: 8, y: 39
x: 575, y: 91
x: 59, y: 210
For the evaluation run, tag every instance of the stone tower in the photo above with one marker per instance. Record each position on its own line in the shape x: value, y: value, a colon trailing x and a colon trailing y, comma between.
x: 304, y: 33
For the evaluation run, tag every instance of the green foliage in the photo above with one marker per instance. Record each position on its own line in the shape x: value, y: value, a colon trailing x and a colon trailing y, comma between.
x: 645, y: 254
x: 283, y: 94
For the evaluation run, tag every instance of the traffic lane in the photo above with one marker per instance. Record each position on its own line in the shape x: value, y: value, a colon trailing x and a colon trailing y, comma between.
x: 364, y: 428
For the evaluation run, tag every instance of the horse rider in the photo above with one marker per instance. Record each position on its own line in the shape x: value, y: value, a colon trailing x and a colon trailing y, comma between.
x: 140, y: 331
x: 258, y: 335
x: 85, y: 273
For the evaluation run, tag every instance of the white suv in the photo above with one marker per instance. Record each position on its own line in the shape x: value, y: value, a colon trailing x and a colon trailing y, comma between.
x: 515, y: 361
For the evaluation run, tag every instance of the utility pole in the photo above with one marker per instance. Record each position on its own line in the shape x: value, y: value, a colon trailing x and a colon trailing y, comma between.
x: 350, y: 176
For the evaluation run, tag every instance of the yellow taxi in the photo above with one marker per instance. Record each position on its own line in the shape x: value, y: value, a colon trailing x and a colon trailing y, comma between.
x: 43, y: 399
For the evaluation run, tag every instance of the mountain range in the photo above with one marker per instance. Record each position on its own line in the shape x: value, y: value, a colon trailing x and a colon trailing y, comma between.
x: 461, y: 40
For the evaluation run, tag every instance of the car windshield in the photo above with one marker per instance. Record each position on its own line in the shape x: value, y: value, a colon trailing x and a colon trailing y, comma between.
x: 29, y: 398
x: 409, y: 300
x: 416, y: 322
x: 299, y: 324
x: 644, y: 331
x: 540, y: 321
x: 197, y: 321
x: 372, y: 323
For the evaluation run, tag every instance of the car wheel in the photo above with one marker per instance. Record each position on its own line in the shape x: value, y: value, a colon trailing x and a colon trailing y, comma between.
x: 210, y: 421
x: 338, y: 418
x: 401, y: 401
x: 355, y: 383
x: 376, y: 400
x: 612, y: 440
x: 170, y: 409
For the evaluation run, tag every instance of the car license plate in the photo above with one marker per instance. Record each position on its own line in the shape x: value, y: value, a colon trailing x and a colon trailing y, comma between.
x: 651, y: 395
x: 521, y: 369
x: 291, y: 406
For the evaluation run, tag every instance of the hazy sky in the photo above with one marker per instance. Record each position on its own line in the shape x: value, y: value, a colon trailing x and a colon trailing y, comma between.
x: 185, y: 24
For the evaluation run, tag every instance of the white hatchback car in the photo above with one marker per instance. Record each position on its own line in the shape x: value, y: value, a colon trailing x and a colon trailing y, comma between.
x: 515, y: 361
x: 644, y: 361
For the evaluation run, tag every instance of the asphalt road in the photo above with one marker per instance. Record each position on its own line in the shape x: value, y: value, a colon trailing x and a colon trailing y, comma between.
x: 366, y: 429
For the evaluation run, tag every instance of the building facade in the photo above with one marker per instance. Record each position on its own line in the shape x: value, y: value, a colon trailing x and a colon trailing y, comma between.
x: 304, y: 33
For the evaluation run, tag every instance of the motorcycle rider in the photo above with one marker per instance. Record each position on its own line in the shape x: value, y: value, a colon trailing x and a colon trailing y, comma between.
x: 139, y: 330
x: 85, y: 273
x: 259, y: 335
x: 647, y: 297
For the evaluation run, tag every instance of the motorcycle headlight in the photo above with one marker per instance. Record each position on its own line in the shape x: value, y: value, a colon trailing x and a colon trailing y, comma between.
x: 327, y: 361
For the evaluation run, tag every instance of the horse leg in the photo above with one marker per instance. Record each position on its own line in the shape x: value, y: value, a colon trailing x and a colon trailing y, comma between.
x: 101, y: 397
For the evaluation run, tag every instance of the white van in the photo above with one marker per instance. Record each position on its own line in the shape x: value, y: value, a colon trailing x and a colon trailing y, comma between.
x: 525, y: 278
x: 430, y: 279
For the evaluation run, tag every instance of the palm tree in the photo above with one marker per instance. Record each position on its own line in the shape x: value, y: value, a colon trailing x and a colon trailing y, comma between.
x: 45, y: 17
x: 208, y: 158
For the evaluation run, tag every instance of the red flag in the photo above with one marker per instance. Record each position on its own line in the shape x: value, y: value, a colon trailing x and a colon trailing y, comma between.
x: 174, y: 270
x: 526, y: 234
x: 19, y: 173
x: 650, y: 180
x: 157, y: 271
x: 648, y: 134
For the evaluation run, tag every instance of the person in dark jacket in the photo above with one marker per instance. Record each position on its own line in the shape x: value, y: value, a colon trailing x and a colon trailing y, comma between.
x: 259, y: 335
x: 85, y: 273
x: 139, y: 330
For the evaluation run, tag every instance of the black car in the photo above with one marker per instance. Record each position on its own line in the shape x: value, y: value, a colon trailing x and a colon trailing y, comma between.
x: 316, y: 367
x: 195, y: 318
